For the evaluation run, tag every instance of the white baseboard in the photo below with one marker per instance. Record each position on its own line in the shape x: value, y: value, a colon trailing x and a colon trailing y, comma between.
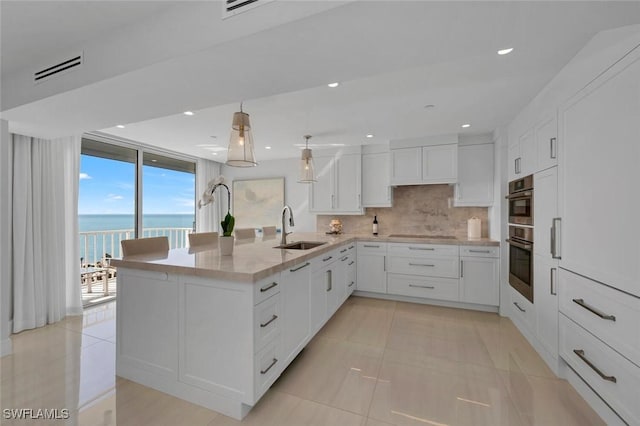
x: 5, y: 347
x: 447, y: 304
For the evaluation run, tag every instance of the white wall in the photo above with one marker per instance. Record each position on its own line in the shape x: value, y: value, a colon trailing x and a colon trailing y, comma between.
x: 295, y: 194
x: 6, y: 259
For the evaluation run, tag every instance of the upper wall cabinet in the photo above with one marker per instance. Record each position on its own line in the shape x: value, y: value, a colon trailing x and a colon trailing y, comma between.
x: 376, y: 182
x: 339, y: 186
x: 546, y: 134
x: 424, y: 165
x: 522, y: 155
x: 475, y: 176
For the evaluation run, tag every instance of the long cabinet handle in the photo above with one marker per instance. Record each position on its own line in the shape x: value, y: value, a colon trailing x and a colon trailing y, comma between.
x: 269, y: 287
x: 554, y: 240
x: 479, y: 251
x: 273, y: 318
x: 350, y: 247
x: 329, y: 280
x: 461, y: 268
x: 352, y: 262
x: 518, y: 306
x: 582, y: 356
x: 552, y: 285
x: 593, y: 310
x: 299, y: 267
x: 421, y: 248
x: 430, y: 287
x: 327, y: 258
x: 552, y: 145
x: 343, y: 250
x: 275, y: 360
x: 421, y: 264
x: 344, y: 258
x: 352, y: 283
x: 370, y: 246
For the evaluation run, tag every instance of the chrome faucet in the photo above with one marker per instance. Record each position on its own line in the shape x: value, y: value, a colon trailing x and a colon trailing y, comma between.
x: 291, y: 223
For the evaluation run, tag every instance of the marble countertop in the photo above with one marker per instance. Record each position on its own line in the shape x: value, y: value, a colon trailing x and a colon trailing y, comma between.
x: 253, y: 260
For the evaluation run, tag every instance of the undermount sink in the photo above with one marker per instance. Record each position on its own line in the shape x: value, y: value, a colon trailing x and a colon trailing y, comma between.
x: 301, y: 245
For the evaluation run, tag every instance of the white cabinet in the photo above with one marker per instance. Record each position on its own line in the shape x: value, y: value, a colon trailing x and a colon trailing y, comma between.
x: 599, y: 176
x: 522, y: 155
x: 545, y: 294
x: 296, y: 290
x: 545, y: 213
x: 376, y: 180
x: 546, y: 134
x: 475, y: 176
x: 371, y: 270
x: 479, y: 275
x: 320, y: 282
x: 424, y: 165
x: 338, y: 186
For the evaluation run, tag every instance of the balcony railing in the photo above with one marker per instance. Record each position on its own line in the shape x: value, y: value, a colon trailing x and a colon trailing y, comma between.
x: 95, y: 245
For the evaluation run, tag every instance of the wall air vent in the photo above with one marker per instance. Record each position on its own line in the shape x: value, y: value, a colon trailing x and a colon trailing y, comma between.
x: 64, y: 66
x: 233, y: 7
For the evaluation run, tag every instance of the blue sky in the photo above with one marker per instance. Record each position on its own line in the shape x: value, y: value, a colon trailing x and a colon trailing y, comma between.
x: 107, y: 187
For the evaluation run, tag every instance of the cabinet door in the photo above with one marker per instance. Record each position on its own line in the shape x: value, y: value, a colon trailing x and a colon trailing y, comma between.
x: 479, y: 282
x: 545, y: 209
x: 528, y: 154
x: 318, y: 303
x: 547, y: 143
x: 371, y: 273
x: 513, y: 158
x: 376, y: 180
x: 600, y: 154
x: 321, y: 196
x: 475, y: 176
x: 296, y: 298
x: 348, y: 186
x: 440, y: 163
x: 545, y: 275
x: 406, y: 166
x: 334, y: 275
x: 351, y: 275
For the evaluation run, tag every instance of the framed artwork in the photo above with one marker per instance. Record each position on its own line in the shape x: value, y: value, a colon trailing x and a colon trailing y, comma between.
x: 257, y: 202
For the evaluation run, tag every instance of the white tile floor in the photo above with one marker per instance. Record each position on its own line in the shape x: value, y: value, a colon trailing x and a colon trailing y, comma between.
x: 375, y: 363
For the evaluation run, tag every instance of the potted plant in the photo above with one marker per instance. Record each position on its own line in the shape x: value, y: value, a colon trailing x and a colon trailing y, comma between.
x: 226, y: 240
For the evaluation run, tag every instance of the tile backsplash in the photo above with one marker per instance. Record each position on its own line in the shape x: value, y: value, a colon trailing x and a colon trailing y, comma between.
x: 418, y: 210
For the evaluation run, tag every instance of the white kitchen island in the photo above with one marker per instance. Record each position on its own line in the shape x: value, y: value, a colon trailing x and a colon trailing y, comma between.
x: 219, y: 330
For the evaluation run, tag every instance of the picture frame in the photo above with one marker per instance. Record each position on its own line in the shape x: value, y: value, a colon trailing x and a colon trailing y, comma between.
x: 258, y: 202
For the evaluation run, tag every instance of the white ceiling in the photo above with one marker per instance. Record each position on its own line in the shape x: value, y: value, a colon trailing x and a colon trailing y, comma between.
x: 392, y: 58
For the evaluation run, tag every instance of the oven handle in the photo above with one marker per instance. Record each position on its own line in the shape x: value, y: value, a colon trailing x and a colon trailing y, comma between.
x: 527, y: 247
x: 522, y: 194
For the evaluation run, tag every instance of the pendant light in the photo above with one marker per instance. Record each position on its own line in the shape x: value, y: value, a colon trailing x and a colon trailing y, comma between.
x: 241, y: 152
x: 307, y: 174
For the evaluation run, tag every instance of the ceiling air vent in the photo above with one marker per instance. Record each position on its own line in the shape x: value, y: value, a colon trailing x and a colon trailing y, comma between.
x: 51, y: 71
x: 233, y: 7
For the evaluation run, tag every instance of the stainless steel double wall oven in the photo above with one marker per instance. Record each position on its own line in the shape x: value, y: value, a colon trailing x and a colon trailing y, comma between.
x: 520, y: 239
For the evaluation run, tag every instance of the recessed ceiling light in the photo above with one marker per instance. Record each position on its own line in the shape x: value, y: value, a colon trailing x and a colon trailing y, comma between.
x: 267, y: 147
x: 188, y: 113
x: 429, y: 106
x: 120, y: 126
x: 505, y: 51
x: 464, y: 126
x: 369, y: 135
x: 214, y: 153
x: 332, y: 85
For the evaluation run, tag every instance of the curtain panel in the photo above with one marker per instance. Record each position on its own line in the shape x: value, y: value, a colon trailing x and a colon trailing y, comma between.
x: 46, y: 254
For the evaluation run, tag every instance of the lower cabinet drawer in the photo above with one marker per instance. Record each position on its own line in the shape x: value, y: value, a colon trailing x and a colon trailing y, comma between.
x: 415, y: 286
x: 267, y: 319
x: 432, y: 267
x: 609, y: 374
x: 267, y: 366
x: 522, y: 310
x: 609, y: 314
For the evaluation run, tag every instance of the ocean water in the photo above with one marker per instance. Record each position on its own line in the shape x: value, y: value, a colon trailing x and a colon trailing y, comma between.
x: 95, y: 246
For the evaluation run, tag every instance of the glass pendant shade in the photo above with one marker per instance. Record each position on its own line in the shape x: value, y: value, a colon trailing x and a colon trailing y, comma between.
x: 307, y: 174
x: 241, y: 152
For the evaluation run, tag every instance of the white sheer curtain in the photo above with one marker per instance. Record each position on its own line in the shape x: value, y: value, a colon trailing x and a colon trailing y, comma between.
x: 46, y: 254
x: 208, y: 217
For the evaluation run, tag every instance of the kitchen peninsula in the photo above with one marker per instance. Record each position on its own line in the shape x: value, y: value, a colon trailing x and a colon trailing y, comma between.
x: 219, y: 330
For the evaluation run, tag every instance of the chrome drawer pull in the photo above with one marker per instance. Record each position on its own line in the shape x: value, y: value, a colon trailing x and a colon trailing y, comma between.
x: 299, y: 267
x: 273, y: 318
x: 518, y: 306
x: 344, y: 258
x: 352, y: 262
x: 421, y: 248
x: 580, y: 354
x: 421, y: 264
x: 350, y: 247
x: 594, y: 310
x: 352, y: 283
x: 327, y: 258
x: 269, y: 287
x: 269, y: 367
x: 343, y: 250
x: 479, y: 251
x: 370, y: 246
x: 430, y: 287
